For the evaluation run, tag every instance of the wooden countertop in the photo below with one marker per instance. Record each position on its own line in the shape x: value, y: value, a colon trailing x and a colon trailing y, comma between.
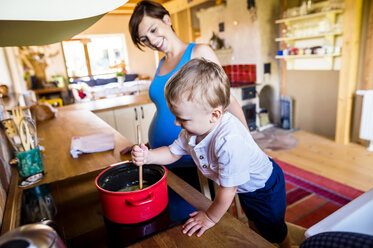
x: 109, y: 103
x: 229, y: 232
x: 60, y: 167
x: 78, y: 120
x: 56, y: 137
x: 80, y: 218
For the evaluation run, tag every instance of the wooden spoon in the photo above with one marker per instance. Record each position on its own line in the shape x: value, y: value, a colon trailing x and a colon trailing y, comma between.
x: 139, y: 142
x: 12, y: 133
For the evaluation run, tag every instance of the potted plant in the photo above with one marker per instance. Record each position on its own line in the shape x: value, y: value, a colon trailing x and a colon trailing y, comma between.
x: 120, y: 77
x: 121, y: 73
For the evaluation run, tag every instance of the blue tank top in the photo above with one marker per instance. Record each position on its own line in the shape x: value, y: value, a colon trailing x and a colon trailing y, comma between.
x: 162, y: 130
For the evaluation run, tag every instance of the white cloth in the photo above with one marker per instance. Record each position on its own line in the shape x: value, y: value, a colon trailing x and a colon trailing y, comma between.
x: 228, y: 155
x: 366, y: 125
x: 93, y: 143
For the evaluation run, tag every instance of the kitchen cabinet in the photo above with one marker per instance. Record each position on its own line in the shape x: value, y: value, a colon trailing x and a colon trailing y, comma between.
x: 312, y: 41
x: 128, y: 118
x: 107, y: 116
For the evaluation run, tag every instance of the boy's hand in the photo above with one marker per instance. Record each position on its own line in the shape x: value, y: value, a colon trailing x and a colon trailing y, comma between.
x: 139, y: 154
x: 198, y: 221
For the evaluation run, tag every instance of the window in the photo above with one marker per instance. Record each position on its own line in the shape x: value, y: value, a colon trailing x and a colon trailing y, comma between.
x: 94, y: 56
x: 75, y: 58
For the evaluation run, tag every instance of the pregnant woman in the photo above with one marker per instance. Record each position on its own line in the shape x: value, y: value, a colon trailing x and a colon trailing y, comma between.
x: 150, y: 25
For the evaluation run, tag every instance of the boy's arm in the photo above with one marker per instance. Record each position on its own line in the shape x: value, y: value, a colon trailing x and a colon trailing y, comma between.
x: 221, y: 203
x: 162, y: 155
x: 201, y: 221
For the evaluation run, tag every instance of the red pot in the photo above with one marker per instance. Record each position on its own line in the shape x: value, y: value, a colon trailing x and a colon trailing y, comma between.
x: 135, y: 206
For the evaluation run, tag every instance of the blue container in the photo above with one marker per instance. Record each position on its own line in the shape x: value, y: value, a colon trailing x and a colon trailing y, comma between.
x: 29, y: 162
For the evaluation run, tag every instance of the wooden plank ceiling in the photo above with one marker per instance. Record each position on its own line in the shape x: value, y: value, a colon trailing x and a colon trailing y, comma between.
x: 127, y: 8
x: 173, y: 6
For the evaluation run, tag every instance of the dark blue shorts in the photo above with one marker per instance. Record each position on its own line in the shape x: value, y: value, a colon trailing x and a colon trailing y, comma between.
x: 266, y: 206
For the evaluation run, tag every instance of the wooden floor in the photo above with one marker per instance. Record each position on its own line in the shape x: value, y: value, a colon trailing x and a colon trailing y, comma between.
x: 348, y: 164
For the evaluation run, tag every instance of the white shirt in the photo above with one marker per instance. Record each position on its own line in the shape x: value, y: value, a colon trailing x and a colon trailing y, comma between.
x: 228, y: 155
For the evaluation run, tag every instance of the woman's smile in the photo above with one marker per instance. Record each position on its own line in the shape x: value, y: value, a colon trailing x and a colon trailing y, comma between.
x: 159, y: 45
x: 153, y: 33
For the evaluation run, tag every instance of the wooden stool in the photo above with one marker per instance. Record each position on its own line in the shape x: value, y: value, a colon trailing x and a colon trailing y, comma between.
x: 204, y: 184
x: 205, y: 189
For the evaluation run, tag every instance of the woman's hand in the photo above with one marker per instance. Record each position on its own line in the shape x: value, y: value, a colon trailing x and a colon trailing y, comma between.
x: 198, y: 221
x: 139, y: 154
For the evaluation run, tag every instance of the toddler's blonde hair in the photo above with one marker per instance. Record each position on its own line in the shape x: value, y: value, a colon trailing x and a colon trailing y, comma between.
x: 199, y: 81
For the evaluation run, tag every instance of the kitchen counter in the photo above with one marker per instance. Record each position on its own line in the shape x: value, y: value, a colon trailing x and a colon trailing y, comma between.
x: 229, y: 232
x: 73, y: 180
x: 56, y: 137
x: 109, y: 103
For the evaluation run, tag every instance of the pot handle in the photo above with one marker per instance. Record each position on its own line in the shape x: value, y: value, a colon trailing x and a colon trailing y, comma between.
x: 135, y: 203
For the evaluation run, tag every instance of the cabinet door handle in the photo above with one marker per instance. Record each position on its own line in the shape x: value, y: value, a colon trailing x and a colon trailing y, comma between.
x: 135, y: 114
x: 142, y: 112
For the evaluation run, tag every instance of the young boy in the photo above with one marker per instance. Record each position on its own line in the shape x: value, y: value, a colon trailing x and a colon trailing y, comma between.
x: 223, y: 150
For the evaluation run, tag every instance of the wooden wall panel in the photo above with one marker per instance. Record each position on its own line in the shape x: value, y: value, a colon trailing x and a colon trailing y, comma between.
x: 365, y: 72
x: 349, y: 67
x: 368, y: 64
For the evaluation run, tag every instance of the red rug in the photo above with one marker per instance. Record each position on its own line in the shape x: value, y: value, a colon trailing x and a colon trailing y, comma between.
x: 310, y: 197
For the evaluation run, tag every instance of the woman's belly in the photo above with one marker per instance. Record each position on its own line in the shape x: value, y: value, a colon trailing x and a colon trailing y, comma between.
x: 162, y: 130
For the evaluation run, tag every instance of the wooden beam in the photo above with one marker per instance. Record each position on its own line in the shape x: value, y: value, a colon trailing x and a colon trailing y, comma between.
x: 127, y: 8
x: 349, y: 68
x: 172, y: 6
x: 120, y: 12
x: 64, y: 63
x: 132, y: 5
x: 179, y: 5
x: 175, y: 22
x: 86, y: 54
x: 190, y: 26
x: 368, y: 64
x: 283, y: 61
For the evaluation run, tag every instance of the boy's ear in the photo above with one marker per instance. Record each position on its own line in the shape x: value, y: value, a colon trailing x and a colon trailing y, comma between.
x: 167, y: 19
x: 216, y: 114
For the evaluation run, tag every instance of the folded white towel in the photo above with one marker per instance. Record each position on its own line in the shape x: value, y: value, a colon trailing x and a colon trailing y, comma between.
x: 366, y: 126
x: 93, y: 143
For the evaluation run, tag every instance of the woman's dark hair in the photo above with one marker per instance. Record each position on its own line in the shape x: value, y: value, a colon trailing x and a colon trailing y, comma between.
x: 144, y: 8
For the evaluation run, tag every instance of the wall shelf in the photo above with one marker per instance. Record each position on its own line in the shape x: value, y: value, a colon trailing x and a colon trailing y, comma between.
x: 308, y: 37
x: 321, y: 29
x: 298, y: 18
x: 307, y: 56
